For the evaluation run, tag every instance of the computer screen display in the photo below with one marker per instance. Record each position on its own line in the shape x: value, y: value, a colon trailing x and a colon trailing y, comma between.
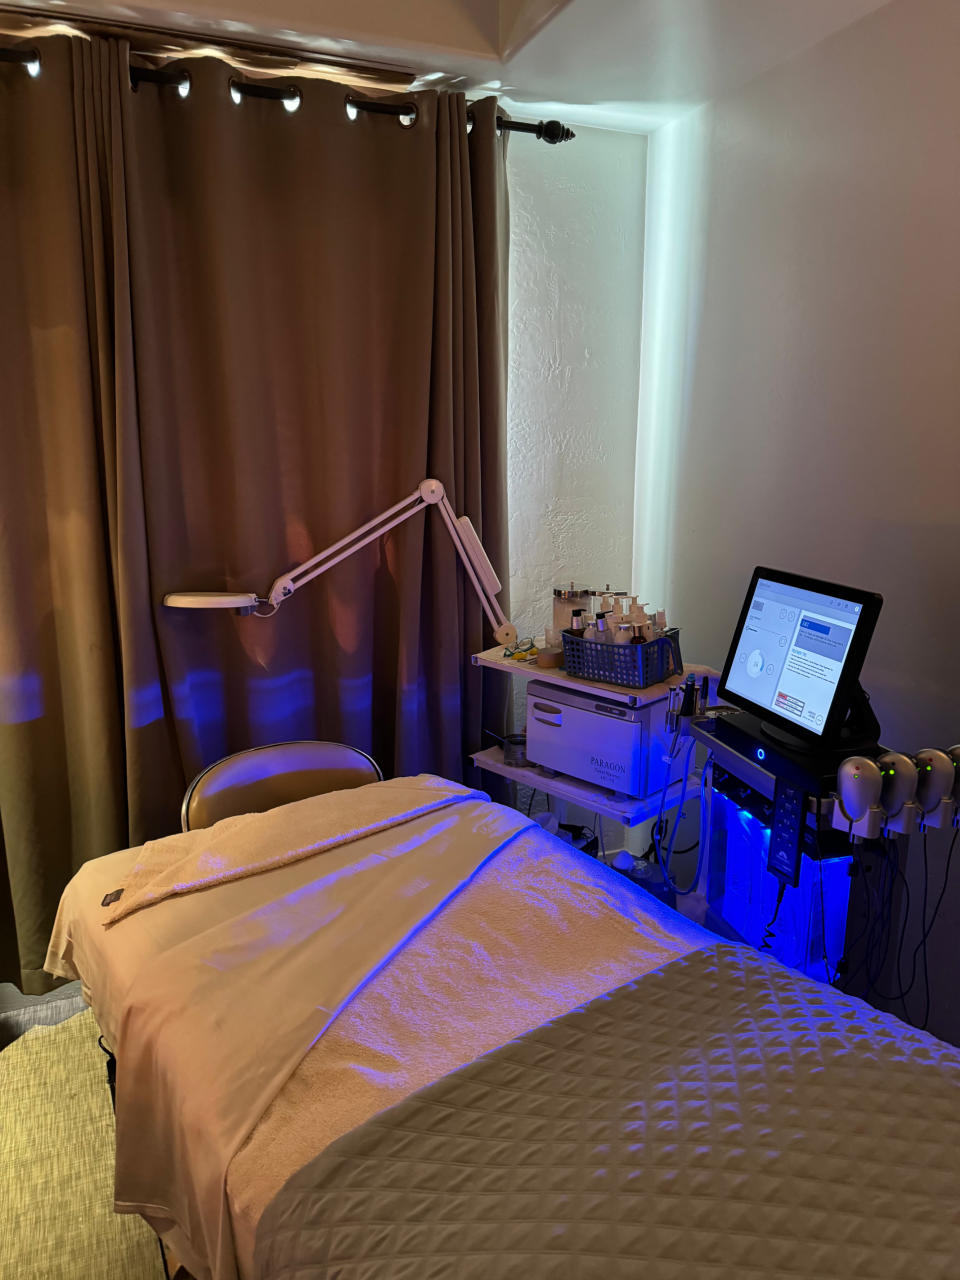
x: 792, y: 649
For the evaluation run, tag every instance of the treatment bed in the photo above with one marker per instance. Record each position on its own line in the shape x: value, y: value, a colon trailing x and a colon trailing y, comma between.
x: 491, y: 1056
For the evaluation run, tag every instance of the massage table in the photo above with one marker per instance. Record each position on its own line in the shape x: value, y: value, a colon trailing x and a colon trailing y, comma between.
x: 556, y: 1075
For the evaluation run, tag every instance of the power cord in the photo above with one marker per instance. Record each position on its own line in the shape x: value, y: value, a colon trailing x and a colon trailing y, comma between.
x: 769, y: 932
x: 926, y: 926
x: 923, y: 931
x: 868, y: 923
x: 831, y: 977
x: 874, y: 930
x: 651, y: 850
x: 902, y: 992
x: 881, y: 946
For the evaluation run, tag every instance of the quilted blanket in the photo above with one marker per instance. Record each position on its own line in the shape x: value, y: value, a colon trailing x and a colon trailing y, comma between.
x: 720, y: 1118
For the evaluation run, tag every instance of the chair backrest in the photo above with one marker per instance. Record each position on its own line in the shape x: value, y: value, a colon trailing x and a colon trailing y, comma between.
x: 259, y: 779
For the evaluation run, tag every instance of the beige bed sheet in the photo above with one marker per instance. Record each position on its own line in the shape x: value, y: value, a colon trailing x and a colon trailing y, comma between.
x: 539, y: 931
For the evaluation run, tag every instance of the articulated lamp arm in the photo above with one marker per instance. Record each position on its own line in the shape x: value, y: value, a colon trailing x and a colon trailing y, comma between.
x: 429, y: 493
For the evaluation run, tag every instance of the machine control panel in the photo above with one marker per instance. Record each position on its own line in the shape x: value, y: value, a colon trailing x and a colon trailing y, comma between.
x: 786, y: 832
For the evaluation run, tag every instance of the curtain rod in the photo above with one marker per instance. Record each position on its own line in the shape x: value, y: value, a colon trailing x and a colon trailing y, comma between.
x: 546, y: 130
x: 551, y: 131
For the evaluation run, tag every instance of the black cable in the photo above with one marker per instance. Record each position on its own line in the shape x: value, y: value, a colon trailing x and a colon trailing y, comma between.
x: 533, y: 795
x: 867, y: 932
x: 926, y: 927
x: 902, y: 992
x: 849, y: 950
x: 768, y: 933
x: 923, y: 936
x: 870, y: 926
x: 876, y: 956
x: 678, y: 853
x: 661, y: 832
x: 831, y: 977
x: 933, y: 918
x: 892, y: 869
x: 900, y: 944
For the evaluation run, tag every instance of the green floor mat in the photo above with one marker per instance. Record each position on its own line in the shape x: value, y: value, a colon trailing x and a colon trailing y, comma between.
x: 56, y: 1164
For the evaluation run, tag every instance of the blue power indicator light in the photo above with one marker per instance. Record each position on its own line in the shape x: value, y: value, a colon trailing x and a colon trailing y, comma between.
x: 761, y: 754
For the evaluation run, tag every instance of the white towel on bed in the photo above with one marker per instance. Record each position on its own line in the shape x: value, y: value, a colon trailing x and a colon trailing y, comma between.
x: 211, y: 1033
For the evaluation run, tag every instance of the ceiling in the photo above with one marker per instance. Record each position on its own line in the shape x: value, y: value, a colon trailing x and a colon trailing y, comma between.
x: 628, y: 64
x: 636, y: 63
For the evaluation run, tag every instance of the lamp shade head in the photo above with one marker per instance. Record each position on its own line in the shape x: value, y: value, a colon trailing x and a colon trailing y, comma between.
x: 210, y: 600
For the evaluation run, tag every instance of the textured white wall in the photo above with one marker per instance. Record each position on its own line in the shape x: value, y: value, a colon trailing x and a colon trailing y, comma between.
x: 576, y: 276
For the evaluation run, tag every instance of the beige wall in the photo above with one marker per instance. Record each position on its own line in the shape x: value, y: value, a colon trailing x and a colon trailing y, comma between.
x: 800, y: 395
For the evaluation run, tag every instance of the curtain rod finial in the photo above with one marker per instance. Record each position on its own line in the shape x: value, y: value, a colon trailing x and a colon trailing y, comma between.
x: 553, y: 131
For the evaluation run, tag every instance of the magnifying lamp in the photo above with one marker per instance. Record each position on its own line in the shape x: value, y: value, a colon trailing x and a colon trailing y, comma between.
x: 211, y: 600
x: 429, y: 493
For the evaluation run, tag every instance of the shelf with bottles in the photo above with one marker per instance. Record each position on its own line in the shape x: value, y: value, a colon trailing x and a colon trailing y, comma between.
x: 494, y: 659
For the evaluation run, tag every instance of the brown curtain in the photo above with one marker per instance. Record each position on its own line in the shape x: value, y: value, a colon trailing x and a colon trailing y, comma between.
x: 233, y: 334
x: 61, y: 726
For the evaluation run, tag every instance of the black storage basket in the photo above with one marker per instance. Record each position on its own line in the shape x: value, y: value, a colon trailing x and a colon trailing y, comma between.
x: 633, y: 665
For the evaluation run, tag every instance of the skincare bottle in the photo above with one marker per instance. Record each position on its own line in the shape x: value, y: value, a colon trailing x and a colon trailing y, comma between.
x: 603, y: 631
x: 565, y: 601
x: 590, y: 630
x: 576, y: 621
x: 624, y: 633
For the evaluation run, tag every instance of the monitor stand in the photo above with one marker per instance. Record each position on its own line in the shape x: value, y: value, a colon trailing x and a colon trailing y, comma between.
x: 809, y: 766
x: 860, y: 731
